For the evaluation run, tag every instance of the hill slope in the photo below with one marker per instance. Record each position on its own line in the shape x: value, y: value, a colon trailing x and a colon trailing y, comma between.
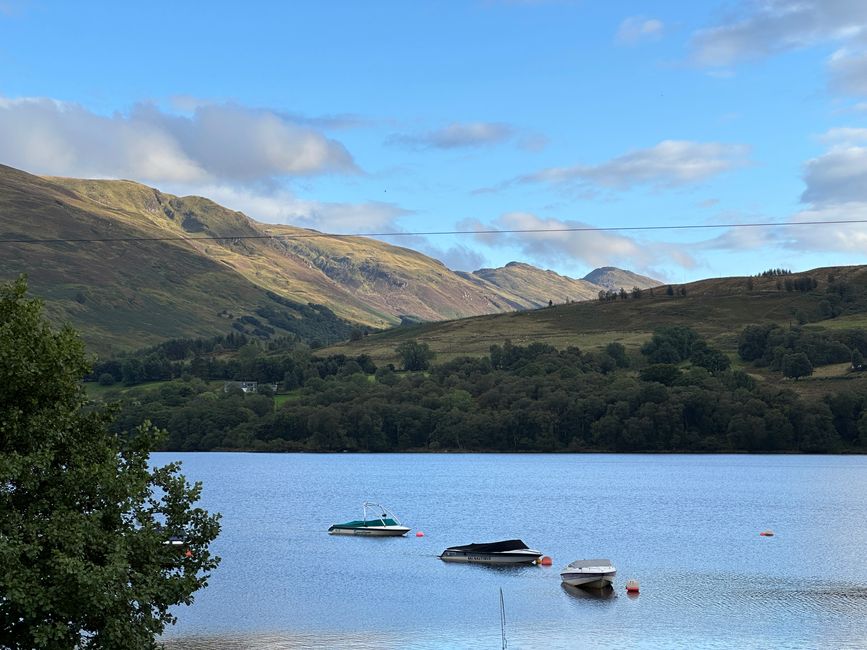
x: 718, y: 309
x: 615, y: 279
x: 540, y: 286
x: 126, y: 294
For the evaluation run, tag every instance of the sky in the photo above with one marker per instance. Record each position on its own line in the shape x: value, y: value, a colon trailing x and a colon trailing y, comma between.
x: 407, y: 117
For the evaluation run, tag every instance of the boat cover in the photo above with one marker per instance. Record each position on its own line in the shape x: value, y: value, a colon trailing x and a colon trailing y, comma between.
x: 370, y: 522
x: 492, y: 547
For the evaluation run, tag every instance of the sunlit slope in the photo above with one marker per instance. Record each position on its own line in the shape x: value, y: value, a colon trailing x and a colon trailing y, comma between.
x: 518, y: 278
x: 717, y: 308
x: 124, y: 294
x: 363, y: 280
x: 610, y: 277
x: 127, y: 294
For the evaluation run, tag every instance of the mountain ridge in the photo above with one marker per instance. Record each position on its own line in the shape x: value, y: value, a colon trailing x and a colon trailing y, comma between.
x: 155, y: 280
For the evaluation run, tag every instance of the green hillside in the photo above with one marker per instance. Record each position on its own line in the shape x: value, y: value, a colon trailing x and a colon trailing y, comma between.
x: 127, y: 294
x: 718, y: 309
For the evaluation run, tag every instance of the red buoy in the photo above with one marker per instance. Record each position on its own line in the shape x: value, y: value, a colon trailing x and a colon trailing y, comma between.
x: 419, y: 534
x: 632, y: 586
x: 767, y: 533
x: 545, y: 561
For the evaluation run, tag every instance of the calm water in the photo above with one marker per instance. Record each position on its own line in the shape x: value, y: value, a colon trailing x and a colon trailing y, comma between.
x: 686, y: 527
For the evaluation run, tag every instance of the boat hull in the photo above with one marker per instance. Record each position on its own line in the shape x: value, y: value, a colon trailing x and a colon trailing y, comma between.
x: 370, y: 531
x: 491, y: 558
x: 591, y: 580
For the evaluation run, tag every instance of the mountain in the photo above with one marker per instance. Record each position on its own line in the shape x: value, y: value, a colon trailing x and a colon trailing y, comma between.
x: 614, y: 279
x: 537, y: 285
x: 154, y: 280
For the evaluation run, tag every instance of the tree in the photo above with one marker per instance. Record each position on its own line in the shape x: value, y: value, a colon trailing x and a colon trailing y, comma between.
x: 83, y: 518
x: 797, y: 365
x: 415, y: 355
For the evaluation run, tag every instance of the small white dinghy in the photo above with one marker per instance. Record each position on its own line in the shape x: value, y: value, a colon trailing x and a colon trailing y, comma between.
x: 588, y: 573
x: 380, y: 523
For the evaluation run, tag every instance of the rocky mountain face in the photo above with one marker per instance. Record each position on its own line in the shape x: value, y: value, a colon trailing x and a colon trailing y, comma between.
x: 150, y: 278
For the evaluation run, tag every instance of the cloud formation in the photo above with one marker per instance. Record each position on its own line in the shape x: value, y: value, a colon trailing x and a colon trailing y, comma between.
x: 224, y: 142
x: 467, y: 135
x: 638, y: 29
x: 670, y: 163
x: 758, y: 29
x: 839, y: 175
x: 848, y: 70
x: 761, y: 28
x: 282, y: 206
x: 593, y: 248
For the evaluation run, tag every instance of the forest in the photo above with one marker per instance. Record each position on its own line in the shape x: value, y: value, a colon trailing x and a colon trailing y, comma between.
x: 676, y: 394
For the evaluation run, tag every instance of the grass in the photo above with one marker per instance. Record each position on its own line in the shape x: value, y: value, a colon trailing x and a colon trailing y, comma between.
x: 282, y: 398
x: 718, y: 309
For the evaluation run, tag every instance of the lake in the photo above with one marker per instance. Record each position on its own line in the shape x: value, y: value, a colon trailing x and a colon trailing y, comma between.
x: 685, y: 526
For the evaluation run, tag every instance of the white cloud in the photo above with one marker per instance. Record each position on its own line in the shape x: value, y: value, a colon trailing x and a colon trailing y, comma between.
x: 593, y: 248
x: 458, y: 257
x: 840, y: 174
x: 458, y: 135
x: 668, y: 164
x: 758, y: 29
x: 807, y: 238
x: 223, y: 142
x: 848, y: 69
x: 282, y: 206
x: 761, y: 28
x: 638, y: 29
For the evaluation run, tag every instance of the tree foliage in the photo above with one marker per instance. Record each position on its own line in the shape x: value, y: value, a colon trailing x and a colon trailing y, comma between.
x: 415, y: 355
x: 83, y: 519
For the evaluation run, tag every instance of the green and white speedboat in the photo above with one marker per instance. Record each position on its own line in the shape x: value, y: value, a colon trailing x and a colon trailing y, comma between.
x: 377, y: 521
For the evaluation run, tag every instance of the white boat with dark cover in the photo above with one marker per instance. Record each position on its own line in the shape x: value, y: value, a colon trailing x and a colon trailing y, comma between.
x: 510, y: 551
x: 588, y: 573
x: 376, y: 521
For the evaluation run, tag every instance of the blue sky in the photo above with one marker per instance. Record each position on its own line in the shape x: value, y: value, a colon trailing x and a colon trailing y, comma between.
x: 384, y: 117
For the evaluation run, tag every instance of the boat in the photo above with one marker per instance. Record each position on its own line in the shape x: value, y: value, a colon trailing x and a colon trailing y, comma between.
x: 588, y: 573
x: 510, y: 551
x: 376, y: 521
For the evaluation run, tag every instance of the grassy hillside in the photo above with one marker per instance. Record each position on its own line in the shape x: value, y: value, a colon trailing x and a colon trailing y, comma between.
x: 718, y: 309
x: 123, y: 294
x: 127, y: 294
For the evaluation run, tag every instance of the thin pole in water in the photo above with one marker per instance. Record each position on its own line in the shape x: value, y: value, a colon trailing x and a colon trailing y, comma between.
x: 503, y: 621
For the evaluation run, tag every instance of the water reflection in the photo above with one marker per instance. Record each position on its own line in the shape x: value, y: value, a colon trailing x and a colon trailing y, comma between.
x: 685, y: 526
x: 590, y: 593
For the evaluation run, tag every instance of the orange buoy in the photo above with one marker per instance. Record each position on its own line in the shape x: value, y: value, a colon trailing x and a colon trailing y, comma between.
x: 545, y: 561
x: 767, y: 533
x: 632, y: 587
x: 419, y: 534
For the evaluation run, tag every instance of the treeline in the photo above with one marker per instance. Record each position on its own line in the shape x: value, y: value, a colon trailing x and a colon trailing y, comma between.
x: 785, y: 349
x: 677, y: 395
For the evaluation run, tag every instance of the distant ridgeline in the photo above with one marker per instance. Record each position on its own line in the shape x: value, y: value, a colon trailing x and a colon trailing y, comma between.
x: 676, y: 394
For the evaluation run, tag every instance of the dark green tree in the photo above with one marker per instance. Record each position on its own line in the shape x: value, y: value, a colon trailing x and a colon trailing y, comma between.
x: 83, y: 518
x: 797, y: 365
x: 415, y: 355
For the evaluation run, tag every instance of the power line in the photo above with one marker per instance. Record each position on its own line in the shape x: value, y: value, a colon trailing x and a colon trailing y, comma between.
x: 528, y: 231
